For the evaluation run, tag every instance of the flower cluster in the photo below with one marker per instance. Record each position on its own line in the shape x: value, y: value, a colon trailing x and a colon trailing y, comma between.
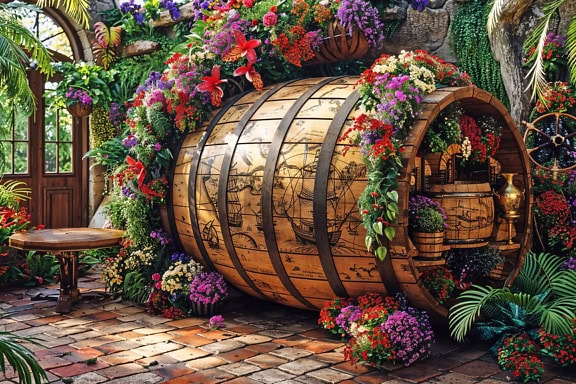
x: 330, y: 312
x: 379, y: 329
x: 440, y: 282
x: 391, y: 91
x: 556, y: 97
x: 78, y: 96
x: 552, y: 209
x: 426, y: 215
x: 208, y: 288
x: 177, y: 279
x: 519, y: 354
x: 561, y: 348
x: 472, y: 265
x: 483, y: 137
x: 554, y: 55
x: 444, y: 130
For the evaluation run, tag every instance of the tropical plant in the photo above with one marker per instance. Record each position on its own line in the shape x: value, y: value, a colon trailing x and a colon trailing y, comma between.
x: 19, y: 47
x: 539, y: 37
x: 541, y: 296
x: 12, y: 192
x: 106, y: 43
x: 20, y: 358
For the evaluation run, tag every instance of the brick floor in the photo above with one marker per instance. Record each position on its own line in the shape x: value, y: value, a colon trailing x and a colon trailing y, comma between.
x: 117, y: 342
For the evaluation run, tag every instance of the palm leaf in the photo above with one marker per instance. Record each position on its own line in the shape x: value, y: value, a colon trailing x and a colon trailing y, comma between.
x: 571, y: 47
x: 12, y: 191
x: 495, y: 14
x: 20, y: 358
x: 76, y: 9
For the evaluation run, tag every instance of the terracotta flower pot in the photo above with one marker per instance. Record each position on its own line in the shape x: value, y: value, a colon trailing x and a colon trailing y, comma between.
x: 79, y: 110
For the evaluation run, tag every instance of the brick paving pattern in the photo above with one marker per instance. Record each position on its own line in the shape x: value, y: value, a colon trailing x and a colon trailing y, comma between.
x: 107, y: 340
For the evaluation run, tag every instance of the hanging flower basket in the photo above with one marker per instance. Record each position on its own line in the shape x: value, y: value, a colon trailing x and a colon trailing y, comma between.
x: 79, y: 110
x: 341, y: 43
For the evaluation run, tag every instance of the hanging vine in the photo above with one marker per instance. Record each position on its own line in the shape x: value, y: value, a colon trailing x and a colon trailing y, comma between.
x: 472, y: 47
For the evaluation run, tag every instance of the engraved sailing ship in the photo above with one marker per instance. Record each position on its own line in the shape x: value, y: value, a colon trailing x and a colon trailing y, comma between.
x: 300, y: 212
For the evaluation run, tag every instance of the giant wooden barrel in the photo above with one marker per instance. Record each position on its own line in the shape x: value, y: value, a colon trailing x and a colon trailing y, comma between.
x: 263, y: 194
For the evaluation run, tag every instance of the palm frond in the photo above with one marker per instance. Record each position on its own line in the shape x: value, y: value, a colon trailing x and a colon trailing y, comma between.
x: 76, y: 9
x: 571, y: 47
x: 21, y: 359
x: 494, y: 15
x: 556, y: 318
x: 463, y: 314
x: 12, y: 191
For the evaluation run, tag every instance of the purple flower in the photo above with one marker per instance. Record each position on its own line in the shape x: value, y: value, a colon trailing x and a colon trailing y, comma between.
x: 129, y: 141
x: 411, y: 333
x: 216, y: 322
x: 157, y: 147
x: 419, y: 5
x: 208, y: 288
x: 364, y: 16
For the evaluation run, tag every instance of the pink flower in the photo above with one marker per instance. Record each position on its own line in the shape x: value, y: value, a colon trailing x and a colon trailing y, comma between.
x: 248, y: 3
x: 269, y: 19
x: 157, y: 147
x: 156, y: 277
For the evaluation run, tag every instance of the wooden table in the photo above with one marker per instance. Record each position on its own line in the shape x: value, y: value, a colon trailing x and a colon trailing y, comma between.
x: 65, y: 243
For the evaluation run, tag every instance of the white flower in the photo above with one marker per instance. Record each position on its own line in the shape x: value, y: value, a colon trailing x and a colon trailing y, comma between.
x: 466, y: 148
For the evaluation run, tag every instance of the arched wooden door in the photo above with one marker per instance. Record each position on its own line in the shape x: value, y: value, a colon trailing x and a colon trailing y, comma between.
x: 45, y: 150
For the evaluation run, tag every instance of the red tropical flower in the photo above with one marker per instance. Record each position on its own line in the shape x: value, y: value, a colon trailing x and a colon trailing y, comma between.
x: 251, y: 74
x: 138, y: 169
x: 211, y: 84
x: 243, y: 47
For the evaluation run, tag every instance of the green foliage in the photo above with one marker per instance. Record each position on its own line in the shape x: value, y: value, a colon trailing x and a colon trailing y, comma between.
x: 136, y: 288
x: 444, y: 130
x: 88, y: 77
x: 40, y: 268
x: 101, y: 129
x: 541, y: 296
x: 472, y: 47
x: 111, y: 154
x: 429, y: 221
x: 12, y: 192
x: 20, y: 358
x: 18, y: 48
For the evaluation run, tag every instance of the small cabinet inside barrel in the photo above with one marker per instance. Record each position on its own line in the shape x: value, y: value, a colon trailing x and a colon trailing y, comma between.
x: 263, y: 194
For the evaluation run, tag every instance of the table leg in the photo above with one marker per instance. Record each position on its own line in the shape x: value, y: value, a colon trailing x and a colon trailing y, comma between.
x: 68, y: 280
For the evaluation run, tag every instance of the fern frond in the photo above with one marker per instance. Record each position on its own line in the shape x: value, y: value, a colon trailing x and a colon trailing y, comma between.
x: 571, y: 48
x: 20, y: 358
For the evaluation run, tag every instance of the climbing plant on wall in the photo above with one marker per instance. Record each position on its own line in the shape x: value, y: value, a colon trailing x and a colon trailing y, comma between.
x: 472, y: 47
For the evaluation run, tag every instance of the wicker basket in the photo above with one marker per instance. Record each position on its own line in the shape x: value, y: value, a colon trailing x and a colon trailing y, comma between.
x: 79, y: 110
x: 341, y: 43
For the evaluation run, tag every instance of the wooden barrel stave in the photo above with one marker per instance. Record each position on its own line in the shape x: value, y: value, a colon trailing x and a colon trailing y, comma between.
x: 298, y: 123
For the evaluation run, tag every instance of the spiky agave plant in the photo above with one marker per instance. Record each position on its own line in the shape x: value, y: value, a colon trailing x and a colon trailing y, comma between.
x: 21, y: 359
x: 543, y: 295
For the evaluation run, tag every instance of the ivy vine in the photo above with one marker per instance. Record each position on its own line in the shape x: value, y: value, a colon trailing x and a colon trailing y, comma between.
x: 471, y: 45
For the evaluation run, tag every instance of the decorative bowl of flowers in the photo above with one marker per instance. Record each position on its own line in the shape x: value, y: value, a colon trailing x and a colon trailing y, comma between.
x: 208, y: 291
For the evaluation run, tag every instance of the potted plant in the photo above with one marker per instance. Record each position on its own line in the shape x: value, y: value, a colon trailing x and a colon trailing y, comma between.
x: 427, y: 220
x: 208, y: 291
x: 83, y: 87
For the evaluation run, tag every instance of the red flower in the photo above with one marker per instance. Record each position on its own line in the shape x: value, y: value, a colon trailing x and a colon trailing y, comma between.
x: 211, y: 84
x: 251, y: 74
x: 138, y: 169
x: 242, y: 48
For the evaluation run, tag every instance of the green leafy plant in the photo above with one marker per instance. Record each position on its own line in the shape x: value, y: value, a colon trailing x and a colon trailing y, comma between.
x: 429, y: 220
x: 136, y: 288
x: 40, y: 268
x: 106, y: 42
x: 472, y: 47
x: 444, y: 130
x: 20, y: 358
x: 542, y: 296
x: 89, y: 78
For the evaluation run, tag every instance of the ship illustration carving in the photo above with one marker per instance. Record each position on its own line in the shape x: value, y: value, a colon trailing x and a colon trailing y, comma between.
x: 300, y: 212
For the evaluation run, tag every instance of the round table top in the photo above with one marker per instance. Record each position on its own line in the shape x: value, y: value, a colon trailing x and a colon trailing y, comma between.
x: 66, y: 239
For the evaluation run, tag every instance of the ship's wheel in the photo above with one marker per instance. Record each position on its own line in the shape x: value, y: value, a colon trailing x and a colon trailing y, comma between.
x: 551, y: 141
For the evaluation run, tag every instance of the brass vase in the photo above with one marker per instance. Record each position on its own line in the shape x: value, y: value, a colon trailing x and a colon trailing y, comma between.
x: 509, y: 198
